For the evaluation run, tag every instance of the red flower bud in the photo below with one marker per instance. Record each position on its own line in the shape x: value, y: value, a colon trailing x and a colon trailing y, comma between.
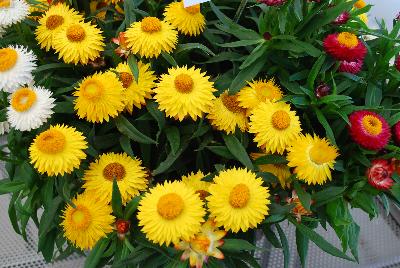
x: 122, y: 226
x: 267, y: 36
x: 322, y: 90
x: 342, y: 18
x: 397, y: 63
x: 272, y: 2
x: 380, y: 173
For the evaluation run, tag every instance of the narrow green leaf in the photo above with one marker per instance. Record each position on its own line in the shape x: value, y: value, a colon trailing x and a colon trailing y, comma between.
x: 190, y: 46
x: 96, y: 253
x: 325, y: 124
x: 126, y: 128
x: 373, y: 96
x: 241, y: 43
x: 270, y: 159
x: 328, y: 194
x: 255, y: 55
x: 125, y: 143
x: 169, y: 59
x: 305, y: 198
x: 236, y: 245
x: 131, y: 207
x: 49, y: 216
x: 285, y: 246
x: 116, y: 200
x: 314, y: 71
x: 173, y: 137
x: 237, y: 150
x: 170, y: 160
x: 7, y: 186
x: 302, y: 247
x: 133, y: 65
x: 271, y: 236
x: 247, y: 74
x: 221, y: 151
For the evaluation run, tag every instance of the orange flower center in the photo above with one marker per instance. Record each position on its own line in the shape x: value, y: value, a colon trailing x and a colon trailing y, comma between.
x: 8, y: 59
x: 5, y: 3
x: 114, y: 170
x: 54, y: 21
x: 319, y: 155
x: 51, y: 141
x: 231, y: 103
x: 372, y: 125
x: 193, y: 9
x: 92, y: 89
x: 347, y: 39
x: 184, y: 83
x: 280, y: 120
x: 81, y: 218
x: 76, y: 33
x: 170, y: 206
x: 239, y: 196
x: 23, y: 99
x: 126, y: 79
x: 151, y: 25
x: 201, y: 243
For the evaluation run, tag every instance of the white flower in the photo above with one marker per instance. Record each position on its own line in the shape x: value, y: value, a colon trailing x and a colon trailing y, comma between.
x: 4, y: 128
x: 30, y: 108
x: 16, y: 66
x: 13, y: 11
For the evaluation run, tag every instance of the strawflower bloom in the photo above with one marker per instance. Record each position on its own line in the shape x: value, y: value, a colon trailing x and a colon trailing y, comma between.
x: 396, y: 132
x: 353, y: 67
x: 187, y: 20
x: 380, y: 174
x: 344, y: 46
x: 13, y: 11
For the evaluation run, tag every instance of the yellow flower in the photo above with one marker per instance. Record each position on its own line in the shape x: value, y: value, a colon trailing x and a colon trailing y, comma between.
x: 226, y: 114
x: 275, y: 126
x: 360, y: 4
x: 150, y: 37
x: 364, y: 18
x: 41, y: 6
x: 194, y: 181
x: 58, y: 150
x: 99, y: 97
x: 52, y: 22
x: 184, y: 92
x: 257, y: 92
x: 188, y: 20
x: 131, y: 177
x: 136, y: 91
x: 313, y: 158
x: 238, y: 200
x: 88, y: 222
x: 281, y: 171
x: 78, y: 42
x: 170, y: 212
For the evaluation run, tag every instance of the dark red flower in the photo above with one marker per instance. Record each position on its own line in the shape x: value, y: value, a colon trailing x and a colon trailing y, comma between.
x: 272, y: 2
x: 397, y: 63
x: 344, y: 46
x: 122, y: 226
x: 396, y: 132
x: 353, y: 67
x: 322, y: 90
x: 342, y: 18
x: 369, y: 129
x: 267, y: 36
x: 380, y: 174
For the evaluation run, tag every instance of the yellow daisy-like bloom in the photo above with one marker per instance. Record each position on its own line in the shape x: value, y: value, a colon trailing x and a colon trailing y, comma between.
x: 78, y: 42
x: 184, y: 92
x: 195, y: 181
x: 150, y: 37
x: 88, y: 222
x: 58, y: 150
x: 99, y: 97
x: 281, y: 171
x: 360, y: 4
x: 136, y: 92
x: 313, y: 158
x: 275, y: 126
x: 257, y: 92
x: 131, y: 177
x: 53, y: 21
x: 237, y: 200
x: 170, y: 212
x: 226, y: 114
x: 188, y: 20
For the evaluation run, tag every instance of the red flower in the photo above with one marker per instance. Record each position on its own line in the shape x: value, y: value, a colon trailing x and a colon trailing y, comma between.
x: 122, y: 49
x: 396, y: 132
x: 353, y: 67
x: 273, y: 2
x: 397, y: 63
x: 342, y: 18
x: 344, y: 46
x: 122, y: 226
x: 380, y: 173
x: 369, y: 129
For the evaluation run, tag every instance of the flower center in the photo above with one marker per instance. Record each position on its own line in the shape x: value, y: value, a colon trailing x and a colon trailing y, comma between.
x: 8, y: 58
x: 280, y: 120
x: 76, y: 33
x: 54, y: 21
x: 170, y: 206
x: 126, y: 79
x: 372, y: 125
x: 23, y: 99
x: 347, y: 39
x: 51, y: 141
x: 319, y: 154
x: 231, y: 103
x: 193, y: 9
x: 92, y: 90
x: 239, y: 196
x: 114, y: 170
x: 151, y: 25
x: 184, y: 83
x: 5, y: 3
x: 81, y: 217
x: 201, y: 243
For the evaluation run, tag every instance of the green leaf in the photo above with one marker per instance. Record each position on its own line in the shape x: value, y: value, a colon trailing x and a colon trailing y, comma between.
x: 270, y: 159
x: 327, y: 194
x: 170, y: 160
x: 247, y: 74
x: 64, y: 107
x: 236, y: 245
x: 96, y: 253
x: 256, y: 54
x: 133, y: 65
x: 305, y: 198
x: 51, y: 66
x: 373, y: 97
x: 7, y: 186
x: 131, y: 207
x: 236, y: 148
x: 169, y: 59
x: 271, y: 236
x: 126, y: 128
x: 285, y: 245
x: 152, y: 107
x: 49, y: 216
x: 135, y: 258
x: 302, y: 247
x: 46, y: 245
x: 116, y: 200
x: 125, y: 143
x: 221, y: 151
x: 366, y: 202
x: 241, y: 43
x: 325, y: 124
x: 190, y: 46
x: 314, y: 71
x: 173, y: 137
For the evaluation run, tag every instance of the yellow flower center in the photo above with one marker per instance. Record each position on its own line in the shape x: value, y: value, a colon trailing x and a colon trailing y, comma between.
x: 347, y: 39
x: 360, y: 4
x: 54, y: 21
x: 5, y: 3
x: 92, y: 90
x: 239, y: 196
x: 81, y: 217
x: 170, y: 206
x: 193, y: 9
x: 126, y: 79
x: 8, y: 58
x: 114, y: 170
x: 151, y: 25
x: 23, y: 99
x: 184, y: 83
x: 51, y: 141
x: 76, y: 33
x: 201, y: 243
x: 372, y: 125
x: 280, y: 120
x: 231, y: 103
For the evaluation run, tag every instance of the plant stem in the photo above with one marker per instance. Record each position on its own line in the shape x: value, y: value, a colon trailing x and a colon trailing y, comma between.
x: 239, y: 11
